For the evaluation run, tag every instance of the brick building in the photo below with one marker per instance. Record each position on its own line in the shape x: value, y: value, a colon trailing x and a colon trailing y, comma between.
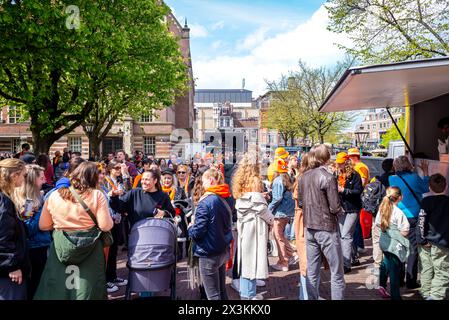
x: 150, y: 134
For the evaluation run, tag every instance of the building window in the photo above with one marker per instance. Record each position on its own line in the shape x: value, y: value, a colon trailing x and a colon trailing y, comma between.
x: 253, y: 135
x: 367, y: 126
x: 146, y: 118
x: 76, y: 144
x: 14, y: 114
x: 374, y: 126
x: 149, y: 145
x: 16, y: 145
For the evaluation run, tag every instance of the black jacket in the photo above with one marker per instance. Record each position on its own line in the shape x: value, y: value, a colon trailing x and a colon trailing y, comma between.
x: 433, y: 221
x: 13, y: 240
x: 140, y: 205
x: 351, y: 197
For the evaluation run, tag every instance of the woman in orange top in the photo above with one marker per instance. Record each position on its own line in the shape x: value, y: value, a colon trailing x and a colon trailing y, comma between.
x: 84, y: 280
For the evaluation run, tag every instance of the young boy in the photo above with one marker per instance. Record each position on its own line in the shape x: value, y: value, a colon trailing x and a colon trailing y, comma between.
x: 434, y: 243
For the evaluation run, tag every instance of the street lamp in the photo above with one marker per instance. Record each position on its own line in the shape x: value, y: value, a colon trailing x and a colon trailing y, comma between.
x: 361, y: 137
x: 89, y: 128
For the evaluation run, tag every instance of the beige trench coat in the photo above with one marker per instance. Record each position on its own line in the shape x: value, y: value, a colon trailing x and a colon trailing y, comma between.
x: 253, y: 221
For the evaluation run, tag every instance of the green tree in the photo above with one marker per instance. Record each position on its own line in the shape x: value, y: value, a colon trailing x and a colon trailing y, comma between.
x: 392, y: 30
x: 286, y: 112
x: 315, y: 84
x: 392, y: 134
x: 61, y: 66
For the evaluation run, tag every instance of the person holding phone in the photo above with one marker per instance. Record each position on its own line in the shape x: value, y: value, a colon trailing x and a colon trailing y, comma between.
x: 146, y: 202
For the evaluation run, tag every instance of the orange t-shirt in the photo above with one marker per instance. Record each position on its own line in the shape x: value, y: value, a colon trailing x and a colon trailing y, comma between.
x: 66, y: 215
x: 363, y: 170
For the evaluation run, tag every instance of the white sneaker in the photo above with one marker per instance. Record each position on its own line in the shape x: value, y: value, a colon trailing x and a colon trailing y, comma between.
x: 235, y: 284
x: 111, y: 287
x: 260, y: 283
x: 279, y: 267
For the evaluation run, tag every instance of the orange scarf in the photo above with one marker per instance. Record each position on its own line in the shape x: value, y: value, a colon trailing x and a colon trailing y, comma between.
x: 342, y: 180
x: 170, y: 191
x: 111, y: 183
x: 186, y: 185
x: 222, y: 190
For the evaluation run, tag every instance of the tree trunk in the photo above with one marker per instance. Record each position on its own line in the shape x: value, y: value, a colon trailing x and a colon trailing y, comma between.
x: 42, y: 144
x: 292, y: 140
x: 94, y: 144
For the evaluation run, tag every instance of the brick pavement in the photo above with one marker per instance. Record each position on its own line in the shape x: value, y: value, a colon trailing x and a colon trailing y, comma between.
x: 284, y: 285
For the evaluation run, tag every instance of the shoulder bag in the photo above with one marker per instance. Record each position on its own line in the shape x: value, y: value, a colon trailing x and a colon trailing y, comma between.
x: 106, y: 236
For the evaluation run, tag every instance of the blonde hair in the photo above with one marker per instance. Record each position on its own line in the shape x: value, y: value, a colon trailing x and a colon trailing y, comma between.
x: 214, y: 173
x: 29, y: 190
x: 348, y: 169
x: 386, y: 206
x: 8, y: 167
x: 246, y: 178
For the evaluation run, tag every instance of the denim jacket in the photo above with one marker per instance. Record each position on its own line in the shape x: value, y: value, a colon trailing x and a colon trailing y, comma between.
x: 282, y: 204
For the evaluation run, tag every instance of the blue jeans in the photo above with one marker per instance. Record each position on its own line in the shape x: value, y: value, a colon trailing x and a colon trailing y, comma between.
x: 248, y: 288
x: 358, y: 236
x: 290, y: 230
x: 304, y: 288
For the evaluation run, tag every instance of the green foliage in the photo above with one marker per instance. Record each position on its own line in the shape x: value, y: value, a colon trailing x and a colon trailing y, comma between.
x: 392, y: 30
x: 121, y: 52
x: 392, y: 134
x: 297, y: 99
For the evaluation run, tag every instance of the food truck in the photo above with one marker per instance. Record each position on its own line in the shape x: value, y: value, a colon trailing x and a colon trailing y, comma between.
x: 421, y: 86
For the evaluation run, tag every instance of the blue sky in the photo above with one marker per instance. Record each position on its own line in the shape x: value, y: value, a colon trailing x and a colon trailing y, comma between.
x: 256, y: 40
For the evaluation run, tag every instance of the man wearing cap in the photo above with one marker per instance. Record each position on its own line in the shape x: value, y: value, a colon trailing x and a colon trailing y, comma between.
x: 359, y: 166
x: 279, y: 153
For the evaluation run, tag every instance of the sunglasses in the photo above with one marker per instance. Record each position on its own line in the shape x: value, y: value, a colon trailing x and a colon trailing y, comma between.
x: 182, y: 172
x: 117, y: 168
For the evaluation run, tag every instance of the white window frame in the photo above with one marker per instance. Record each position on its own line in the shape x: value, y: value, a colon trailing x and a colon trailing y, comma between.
x: 75, y: 144
x: 146, y: 118
x: 149, y: 145
x: 12, y: 115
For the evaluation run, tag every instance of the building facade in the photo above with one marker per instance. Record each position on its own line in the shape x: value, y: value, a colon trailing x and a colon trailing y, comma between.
x: 231, y: 114
x: 377, y: 122
x: 152, y: 134
x: 268, y: 138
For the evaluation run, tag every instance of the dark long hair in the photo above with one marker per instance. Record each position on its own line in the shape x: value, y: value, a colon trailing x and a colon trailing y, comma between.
x: 83, y: 179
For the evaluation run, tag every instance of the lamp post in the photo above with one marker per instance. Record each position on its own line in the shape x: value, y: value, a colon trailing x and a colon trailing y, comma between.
x: 361, y: 137
x: 89, y: 127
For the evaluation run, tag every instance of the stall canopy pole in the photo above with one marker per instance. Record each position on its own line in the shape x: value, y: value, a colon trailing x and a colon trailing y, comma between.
x: 400, y: 133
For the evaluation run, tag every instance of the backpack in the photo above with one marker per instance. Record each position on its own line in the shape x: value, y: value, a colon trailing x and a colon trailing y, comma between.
x: 372, y: 196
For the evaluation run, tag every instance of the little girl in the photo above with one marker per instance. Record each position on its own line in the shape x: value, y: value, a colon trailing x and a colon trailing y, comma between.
x: 395, y: 227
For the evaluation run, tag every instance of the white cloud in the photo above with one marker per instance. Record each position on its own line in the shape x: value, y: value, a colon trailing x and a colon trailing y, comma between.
x: 217, y: 44
x: 198, y: 31
x: 254, y: 39
x: 218, y: 25
x: 271, y: 57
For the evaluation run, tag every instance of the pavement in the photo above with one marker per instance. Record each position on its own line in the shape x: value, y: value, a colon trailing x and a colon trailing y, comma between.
x: 283, y: 285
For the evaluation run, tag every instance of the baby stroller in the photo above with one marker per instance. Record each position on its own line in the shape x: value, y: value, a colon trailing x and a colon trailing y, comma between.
x: 152, y: 252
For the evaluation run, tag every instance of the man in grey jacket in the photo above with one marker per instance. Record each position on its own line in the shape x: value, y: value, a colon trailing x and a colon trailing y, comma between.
x: 319, y: 200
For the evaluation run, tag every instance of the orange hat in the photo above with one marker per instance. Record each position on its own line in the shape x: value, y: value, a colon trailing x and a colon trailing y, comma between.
x: 342, y: 157
x: 281, y: 153
x: 354, y: 152
x: 282, y: 166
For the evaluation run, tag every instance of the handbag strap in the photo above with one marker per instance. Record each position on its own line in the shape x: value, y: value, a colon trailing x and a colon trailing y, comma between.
x: 84, y: 205
x: 221, y: 199
x: 413, y: 192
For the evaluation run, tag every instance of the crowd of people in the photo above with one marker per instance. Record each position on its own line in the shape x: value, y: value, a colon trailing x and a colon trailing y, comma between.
x: 71, y: 213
